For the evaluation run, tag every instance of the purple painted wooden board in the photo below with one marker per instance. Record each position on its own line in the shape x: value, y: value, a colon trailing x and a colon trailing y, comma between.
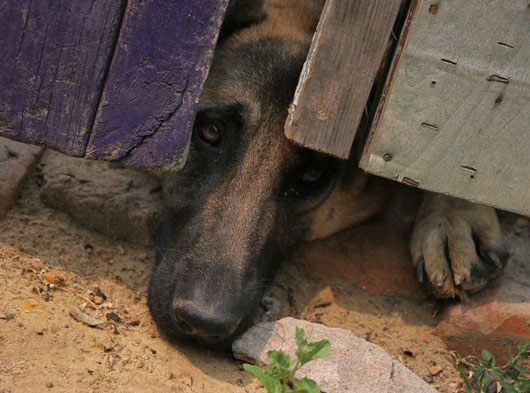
x: 53, y: 59
x: 149, y: 101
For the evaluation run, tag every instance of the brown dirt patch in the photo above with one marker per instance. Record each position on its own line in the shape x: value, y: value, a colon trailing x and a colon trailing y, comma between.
x: 43, y: 348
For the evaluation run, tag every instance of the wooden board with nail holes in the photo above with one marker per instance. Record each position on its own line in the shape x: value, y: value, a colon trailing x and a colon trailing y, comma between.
x: 454, y: 116
x: 339, y: 72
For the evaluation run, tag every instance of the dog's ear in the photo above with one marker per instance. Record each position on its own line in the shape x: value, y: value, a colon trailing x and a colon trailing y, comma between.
x: 241, y: 14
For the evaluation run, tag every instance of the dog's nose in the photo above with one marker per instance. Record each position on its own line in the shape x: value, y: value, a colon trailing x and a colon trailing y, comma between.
x: 193, y: 320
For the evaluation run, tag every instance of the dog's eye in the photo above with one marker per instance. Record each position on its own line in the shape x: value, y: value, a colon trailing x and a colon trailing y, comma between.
x: 312, y: 175
x: 311, y: 181
x: 210, y: 133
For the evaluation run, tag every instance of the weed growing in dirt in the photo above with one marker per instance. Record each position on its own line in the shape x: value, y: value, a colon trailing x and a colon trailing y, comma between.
x: 512, y: 377
x: 275, y: 377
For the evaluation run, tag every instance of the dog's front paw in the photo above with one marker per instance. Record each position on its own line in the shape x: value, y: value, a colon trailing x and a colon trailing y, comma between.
x: 456, y: 246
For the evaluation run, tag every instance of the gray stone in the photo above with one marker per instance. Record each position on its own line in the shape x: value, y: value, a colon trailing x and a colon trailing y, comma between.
x: 120, y: 202
x: 354, y: 365
x: 16, y: 160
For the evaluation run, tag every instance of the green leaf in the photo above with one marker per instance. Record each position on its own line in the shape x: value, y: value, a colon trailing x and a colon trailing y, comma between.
x: 314, y: 350
x: 310, y: 351
x: 490, y: 383
x: 508, y: 387
x: 519, y: 368
x: 496, y: 372
x: 525, y: 386
x: 279, y: 364
x: 488, y: 358
x: 510, y: 374
x: 270, y: 382
x: 525, y: 354
x: 484, y: 381
x: 300, y: 337
x: 306, y: 386
x: 280, y: 357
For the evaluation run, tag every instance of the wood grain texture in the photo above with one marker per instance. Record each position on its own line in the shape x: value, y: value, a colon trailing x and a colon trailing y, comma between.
x: 53, y: 59
x: 333, y: 90
x: 455, y: 117
x: 149, y: 102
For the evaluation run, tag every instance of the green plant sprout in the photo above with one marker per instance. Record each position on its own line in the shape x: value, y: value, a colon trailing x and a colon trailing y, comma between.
x: 512, y: 377
x: 276, y: 376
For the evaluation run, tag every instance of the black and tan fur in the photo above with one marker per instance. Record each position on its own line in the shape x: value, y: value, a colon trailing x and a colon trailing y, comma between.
x: 244, y: 201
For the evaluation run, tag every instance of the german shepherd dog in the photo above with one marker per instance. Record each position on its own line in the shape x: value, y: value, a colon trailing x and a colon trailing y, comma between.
x: 247, y: 195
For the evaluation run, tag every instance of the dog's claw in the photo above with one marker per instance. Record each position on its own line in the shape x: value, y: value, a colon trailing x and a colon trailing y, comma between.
x: 440, y: 278
x: 420, y: 270
x: 498, y: 259
x: 458, y: 279
x: 493, y: 257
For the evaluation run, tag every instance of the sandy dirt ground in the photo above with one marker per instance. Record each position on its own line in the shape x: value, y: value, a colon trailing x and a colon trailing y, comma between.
x: 43, y: 348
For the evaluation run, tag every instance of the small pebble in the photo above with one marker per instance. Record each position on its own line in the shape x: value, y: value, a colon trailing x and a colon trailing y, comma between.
x: 35, y: 266
x: 40, y: 333
x: 134, y: 321
x: 435, y: 370
x: 114, y: 317
x: 49, y: 385
x: 106, y: 255
x: 98, y: 300
x: 100, y: 293
x: 54, y: 278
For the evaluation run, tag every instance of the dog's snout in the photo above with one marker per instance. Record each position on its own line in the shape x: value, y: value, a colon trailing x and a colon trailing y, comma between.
x: 193, y: 320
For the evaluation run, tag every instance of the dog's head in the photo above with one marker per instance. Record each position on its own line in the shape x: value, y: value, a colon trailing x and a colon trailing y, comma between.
x: 246, y: 195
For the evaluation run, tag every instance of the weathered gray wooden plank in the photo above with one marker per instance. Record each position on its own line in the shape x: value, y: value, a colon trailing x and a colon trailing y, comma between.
x: 160, y: 63
x: 53, y: 59
x: 455, y: 117
x: 333, y: 90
